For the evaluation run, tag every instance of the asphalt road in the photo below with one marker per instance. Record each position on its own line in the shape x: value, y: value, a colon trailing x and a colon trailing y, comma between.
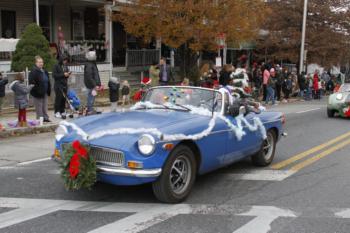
x: 306, y: 189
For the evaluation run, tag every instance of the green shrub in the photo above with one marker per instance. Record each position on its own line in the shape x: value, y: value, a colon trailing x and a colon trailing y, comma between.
x: 31, y: 44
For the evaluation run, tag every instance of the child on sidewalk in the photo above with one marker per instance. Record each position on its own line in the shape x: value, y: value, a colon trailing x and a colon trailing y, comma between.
x: 126, y: 92
x: 21, y: 98
x: 113, y: 85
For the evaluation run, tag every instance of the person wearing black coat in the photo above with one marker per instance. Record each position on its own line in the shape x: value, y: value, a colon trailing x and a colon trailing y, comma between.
x: 40, y: 80
x: 225, y: 75
x: 114, y: 86
x: 302, y: 83
x: 60, y: 74
x: 91, y: 80
x: 3, y: 82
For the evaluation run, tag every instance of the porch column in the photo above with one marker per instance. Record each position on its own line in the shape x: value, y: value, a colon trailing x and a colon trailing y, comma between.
x: 109, y: 35
x: 107, y: 32
x: 37, y: 12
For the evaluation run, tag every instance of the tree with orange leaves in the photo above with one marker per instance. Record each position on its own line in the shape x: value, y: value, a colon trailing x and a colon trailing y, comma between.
x: 192, y: 25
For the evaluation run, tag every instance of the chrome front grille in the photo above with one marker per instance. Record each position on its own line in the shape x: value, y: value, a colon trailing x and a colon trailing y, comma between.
x: 107, y: 156
x: 102, y: 155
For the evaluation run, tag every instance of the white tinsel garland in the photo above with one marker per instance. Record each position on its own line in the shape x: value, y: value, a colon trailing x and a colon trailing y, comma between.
x: 237, y: 129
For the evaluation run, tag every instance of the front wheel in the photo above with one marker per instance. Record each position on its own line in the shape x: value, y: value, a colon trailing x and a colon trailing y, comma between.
x: 178, y: 176
x: 267, y: 152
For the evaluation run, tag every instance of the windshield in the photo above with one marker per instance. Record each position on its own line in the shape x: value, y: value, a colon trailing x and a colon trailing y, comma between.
x: 345, y: 88
x: 180, y: 97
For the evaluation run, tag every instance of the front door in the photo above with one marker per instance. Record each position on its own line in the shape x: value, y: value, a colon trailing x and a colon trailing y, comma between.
x: 119, y: 44
x: 238, y: 148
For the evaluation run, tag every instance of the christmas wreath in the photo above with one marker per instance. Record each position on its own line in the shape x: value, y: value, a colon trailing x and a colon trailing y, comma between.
x: 78, y: 168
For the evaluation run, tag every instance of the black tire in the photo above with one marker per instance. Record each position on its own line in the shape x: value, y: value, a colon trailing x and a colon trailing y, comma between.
x: 330, y: 113
x: 163, y: 188
x: 267, y: 152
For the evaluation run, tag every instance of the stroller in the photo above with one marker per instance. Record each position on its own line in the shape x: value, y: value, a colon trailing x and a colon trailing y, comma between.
x: 73, y: 102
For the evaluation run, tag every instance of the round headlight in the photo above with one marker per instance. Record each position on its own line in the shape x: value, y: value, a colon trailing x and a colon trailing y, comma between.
x: 146, y: 144
x: 339, y: 96
x: 61, y: 131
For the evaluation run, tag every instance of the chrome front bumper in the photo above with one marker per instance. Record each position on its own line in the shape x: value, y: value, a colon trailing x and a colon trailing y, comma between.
x: 145, y: 173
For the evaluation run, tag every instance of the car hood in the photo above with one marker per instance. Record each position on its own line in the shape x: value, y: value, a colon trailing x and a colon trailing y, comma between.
x: 164, y: 121
x: 332, y: 100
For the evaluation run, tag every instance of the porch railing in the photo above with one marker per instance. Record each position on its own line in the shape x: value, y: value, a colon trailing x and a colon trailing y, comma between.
x: 143, y: 57
x: 76, y: 50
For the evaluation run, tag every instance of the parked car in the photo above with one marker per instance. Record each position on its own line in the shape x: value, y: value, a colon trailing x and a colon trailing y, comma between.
x: 173, y: 135
x: 339, y: 102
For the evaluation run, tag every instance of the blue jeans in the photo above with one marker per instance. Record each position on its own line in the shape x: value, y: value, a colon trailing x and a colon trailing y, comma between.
x: 90, y: 100
x: 270, y: 95
x: 308, y: 95
x: 301, y: 93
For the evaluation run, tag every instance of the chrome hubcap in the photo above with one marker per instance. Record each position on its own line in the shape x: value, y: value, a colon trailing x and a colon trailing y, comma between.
x: 180, y: 175
x: 268, y: 146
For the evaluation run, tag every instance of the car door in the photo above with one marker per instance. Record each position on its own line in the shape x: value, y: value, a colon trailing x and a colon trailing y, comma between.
x: 237, y: 148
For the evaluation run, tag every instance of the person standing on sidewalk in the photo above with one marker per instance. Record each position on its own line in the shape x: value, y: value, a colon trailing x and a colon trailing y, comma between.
x: 270, y: 87
x: 279, y: 80
x: 266, y: 77
x: 302, y: 84
x: 154, y: 74
x: 3, y: 82
x: 165, y: 74
x: 91, y: 80
x: 61, y: 74
x: 114, y: 86
x: 40, y: 80
x: 21, y: 100
x: 316, y: 85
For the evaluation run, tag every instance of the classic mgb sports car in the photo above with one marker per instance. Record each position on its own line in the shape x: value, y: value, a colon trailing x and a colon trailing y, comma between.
x: 174, y: 134
x: 339, y: 102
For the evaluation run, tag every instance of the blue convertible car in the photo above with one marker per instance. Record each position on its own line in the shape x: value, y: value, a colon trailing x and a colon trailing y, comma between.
x: 172, y: 135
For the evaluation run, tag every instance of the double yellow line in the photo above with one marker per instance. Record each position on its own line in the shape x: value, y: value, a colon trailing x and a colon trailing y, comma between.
x: 313, y: 150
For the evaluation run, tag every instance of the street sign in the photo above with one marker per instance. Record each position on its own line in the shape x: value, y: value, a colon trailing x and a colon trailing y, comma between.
x: 221, y: 40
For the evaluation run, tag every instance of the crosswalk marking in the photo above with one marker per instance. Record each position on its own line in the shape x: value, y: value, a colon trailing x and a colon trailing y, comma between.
x: 29, y: 210
x: 143, y: 220
x: 145, y: 215
x: 265, y: 216
x: 259, y: 175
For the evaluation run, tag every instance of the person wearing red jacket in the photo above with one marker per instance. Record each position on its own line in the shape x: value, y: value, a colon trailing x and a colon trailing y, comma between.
x: 316, y: 90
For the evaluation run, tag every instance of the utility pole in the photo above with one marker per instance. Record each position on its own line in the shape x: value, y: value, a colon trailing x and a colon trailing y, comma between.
x: 302, y: 49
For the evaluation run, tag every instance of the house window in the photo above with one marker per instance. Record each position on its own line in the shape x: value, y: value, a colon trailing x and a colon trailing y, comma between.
x: 8, y: 24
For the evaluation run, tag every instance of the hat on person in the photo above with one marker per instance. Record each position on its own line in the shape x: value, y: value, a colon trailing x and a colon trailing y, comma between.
x: 91, y: 56
x: 272, y: 70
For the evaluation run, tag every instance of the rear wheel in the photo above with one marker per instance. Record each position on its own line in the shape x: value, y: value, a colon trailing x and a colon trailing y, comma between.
x: 330, y: 113
x: 267, y: 152
x: 178, y: 176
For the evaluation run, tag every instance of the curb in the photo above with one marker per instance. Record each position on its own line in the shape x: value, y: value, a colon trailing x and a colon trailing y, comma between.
x: 15, y: 132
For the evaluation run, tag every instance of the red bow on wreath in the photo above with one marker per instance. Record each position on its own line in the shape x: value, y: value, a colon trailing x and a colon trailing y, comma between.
x: 74, y: 165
